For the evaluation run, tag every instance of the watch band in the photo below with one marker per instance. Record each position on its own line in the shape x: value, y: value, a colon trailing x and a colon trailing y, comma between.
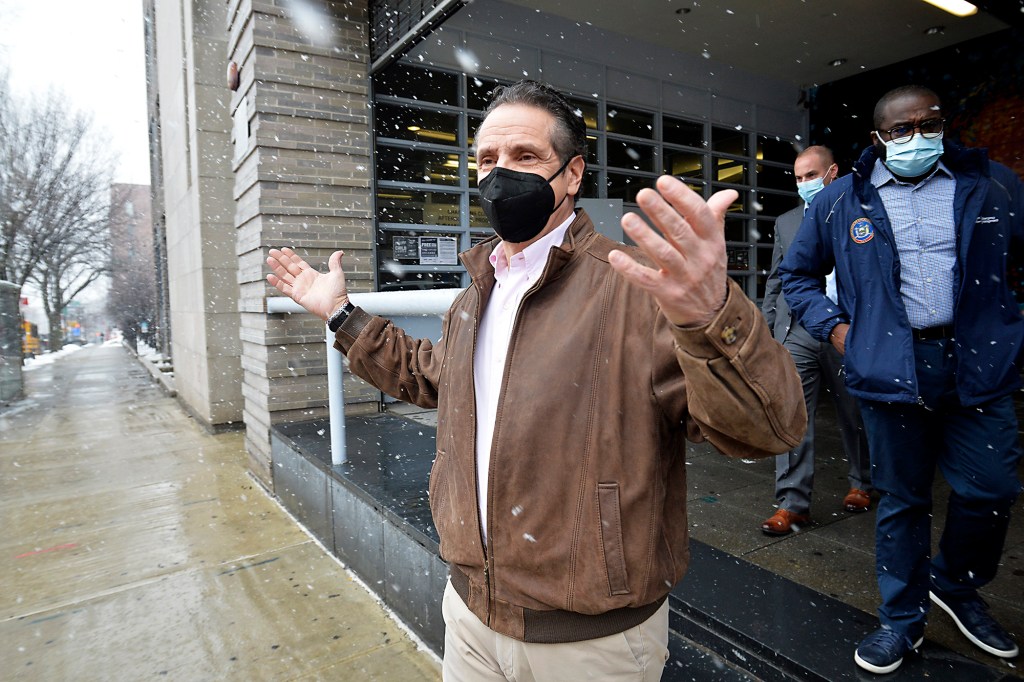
x: 339, y: 316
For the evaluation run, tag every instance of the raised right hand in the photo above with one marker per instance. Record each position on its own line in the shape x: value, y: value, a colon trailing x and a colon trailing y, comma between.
x: 320, y: 294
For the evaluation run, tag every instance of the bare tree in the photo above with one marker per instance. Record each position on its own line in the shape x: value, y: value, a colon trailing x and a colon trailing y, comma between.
x: 67, y: 268
x: 55, y: 176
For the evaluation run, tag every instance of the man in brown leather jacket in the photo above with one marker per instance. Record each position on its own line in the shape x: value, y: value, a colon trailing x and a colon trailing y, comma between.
x: 567, y: 379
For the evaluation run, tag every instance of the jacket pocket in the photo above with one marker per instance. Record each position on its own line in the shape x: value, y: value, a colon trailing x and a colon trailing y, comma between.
x: 611, y: 537
x: 438, y: 495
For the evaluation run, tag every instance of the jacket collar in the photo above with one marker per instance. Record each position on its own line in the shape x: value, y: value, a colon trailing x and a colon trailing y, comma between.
x: 477, y: 259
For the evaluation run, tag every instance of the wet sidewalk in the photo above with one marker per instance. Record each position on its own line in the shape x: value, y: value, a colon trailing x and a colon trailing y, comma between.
x: 135, y: 546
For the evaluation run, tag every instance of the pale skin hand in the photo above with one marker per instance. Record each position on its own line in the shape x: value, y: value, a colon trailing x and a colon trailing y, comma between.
x: 319, y: 293
x: 690, y: 279
x: 838, y: 337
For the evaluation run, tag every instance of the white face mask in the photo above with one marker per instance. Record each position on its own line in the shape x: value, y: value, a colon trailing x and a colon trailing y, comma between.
x: 912, y: 158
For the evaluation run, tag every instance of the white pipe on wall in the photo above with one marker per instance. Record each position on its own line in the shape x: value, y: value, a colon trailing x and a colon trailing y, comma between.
x: 426, y: 302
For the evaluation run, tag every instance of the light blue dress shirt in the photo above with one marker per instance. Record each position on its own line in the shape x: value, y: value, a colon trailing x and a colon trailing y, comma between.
x: 922, y: 221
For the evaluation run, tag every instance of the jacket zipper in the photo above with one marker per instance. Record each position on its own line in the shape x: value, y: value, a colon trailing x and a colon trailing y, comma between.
x: 490, y: 464
x: 476, y: 471
x: 488, y: 569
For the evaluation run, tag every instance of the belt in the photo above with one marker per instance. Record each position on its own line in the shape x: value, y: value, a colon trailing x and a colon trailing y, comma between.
x: 933, y: 333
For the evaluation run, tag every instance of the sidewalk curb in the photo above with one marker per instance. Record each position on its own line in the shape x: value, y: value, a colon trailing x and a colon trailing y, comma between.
x: 165, y: 379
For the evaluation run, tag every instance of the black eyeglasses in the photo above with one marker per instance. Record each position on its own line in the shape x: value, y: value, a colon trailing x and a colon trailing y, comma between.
x: 929, y: 130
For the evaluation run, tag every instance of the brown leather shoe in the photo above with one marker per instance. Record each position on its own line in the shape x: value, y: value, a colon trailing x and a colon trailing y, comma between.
x: 857, y: 501
x: 784, y: 522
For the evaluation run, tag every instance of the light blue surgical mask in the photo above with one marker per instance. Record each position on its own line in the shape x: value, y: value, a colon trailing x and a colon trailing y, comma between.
x: 809, y: 188
x: 912, y: 158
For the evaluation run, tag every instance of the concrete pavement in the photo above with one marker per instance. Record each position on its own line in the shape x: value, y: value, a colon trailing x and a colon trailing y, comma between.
x: 135, y: 545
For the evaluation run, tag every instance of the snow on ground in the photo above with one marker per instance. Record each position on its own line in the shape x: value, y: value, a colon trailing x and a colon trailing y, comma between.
x: 48, y: 358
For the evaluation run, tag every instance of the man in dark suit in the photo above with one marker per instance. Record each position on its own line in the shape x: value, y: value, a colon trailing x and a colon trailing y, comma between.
x: 820, y: 366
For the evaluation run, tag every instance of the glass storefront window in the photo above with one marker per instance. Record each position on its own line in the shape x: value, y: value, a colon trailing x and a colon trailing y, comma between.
x: 625, y: 187
x: 478, y: 91
x: 684, y: 164
x: 413, y: 82
x: 729, y: 170
x: 402, y: 164
x: 729, y: 141
x: 631, y: 155
x: 418, y: 125
x: 418, y: 259
x: 764, y: 259
x: 474, y: 122
x: 771, y: 204
x: 587, y: 109
x: 776, y: 177
x: 679, y: 131
x: 623, y: 121
x: 764, y: 231
x: 589, y: 189
x: 412, y: 281
x: 477, y: 217
x: 738, y: 257
x: 421, y: 113
x: 735, y: 229
x: 417, y: 208
x: 776, y: 149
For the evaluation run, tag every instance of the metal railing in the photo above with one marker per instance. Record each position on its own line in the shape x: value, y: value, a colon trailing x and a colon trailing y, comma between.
x: 427, y: 303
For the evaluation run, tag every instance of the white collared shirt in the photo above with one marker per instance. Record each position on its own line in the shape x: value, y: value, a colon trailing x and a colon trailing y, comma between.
x: 512, y: 280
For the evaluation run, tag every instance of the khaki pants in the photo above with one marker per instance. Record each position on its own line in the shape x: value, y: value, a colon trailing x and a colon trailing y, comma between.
x: 473, y: 652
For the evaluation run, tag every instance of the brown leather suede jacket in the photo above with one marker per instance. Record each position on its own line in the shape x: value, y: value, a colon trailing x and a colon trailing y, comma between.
x: 587, y: 528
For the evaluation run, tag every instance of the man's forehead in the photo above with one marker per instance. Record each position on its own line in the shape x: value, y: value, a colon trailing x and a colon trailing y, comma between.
x: 914, y: 105
x: 518, y: 124
x: 809, y: 162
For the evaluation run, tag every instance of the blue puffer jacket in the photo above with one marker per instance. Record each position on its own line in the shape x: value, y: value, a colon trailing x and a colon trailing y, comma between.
x: 846, y: 226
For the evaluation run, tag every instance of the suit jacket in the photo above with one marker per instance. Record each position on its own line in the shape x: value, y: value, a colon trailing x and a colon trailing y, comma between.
x: 776, y: 310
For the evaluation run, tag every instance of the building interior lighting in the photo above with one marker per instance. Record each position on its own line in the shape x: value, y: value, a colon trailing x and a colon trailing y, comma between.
x: 959, y: 8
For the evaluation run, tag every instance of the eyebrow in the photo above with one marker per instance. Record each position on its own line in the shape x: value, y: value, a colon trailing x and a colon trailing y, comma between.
x: 908, y: 122
x: 516, y: 148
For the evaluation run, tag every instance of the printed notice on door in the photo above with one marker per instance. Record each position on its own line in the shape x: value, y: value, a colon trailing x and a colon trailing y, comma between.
x: 438, y: 251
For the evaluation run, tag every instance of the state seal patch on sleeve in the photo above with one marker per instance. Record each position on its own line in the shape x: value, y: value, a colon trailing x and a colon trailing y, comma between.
x: 862, y: 231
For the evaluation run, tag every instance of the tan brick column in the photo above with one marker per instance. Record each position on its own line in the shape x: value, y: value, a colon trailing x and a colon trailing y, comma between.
x: 302, y: 179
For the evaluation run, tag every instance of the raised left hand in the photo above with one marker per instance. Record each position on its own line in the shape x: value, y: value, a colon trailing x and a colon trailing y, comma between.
x: 689, y: 280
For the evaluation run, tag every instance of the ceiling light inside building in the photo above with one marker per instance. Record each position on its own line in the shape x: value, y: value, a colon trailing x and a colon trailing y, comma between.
x: 934, y: 30
x: 837, y: 62
x: 958, y: 8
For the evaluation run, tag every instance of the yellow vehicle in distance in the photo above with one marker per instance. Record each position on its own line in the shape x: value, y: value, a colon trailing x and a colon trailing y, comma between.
x: 30, y: 346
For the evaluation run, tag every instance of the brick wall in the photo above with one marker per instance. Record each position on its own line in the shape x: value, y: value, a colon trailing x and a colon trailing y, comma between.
x: 301, y: 179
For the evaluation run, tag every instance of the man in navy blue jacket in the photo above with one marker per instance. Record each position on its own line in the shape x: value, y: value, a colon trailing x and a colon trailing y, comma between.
x: 920, y: 235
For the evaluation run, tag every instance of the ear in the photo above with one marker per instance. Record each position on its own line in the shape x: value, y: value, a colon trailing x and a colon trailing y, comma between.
x: 574, y: 175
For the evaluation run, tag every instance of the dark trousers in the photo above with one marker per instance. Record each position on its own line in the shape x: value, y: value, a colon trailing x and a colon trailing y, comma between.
x: 977, y: 449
